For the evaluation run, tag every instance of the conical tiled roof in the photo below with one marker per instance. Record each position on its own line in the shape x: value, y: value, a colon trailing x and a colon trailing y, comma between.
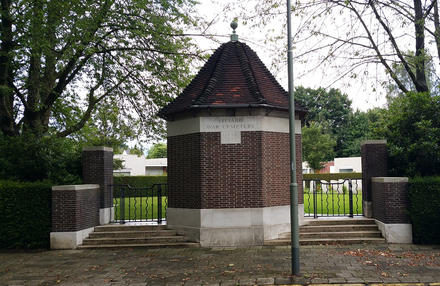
x: 233, y: 77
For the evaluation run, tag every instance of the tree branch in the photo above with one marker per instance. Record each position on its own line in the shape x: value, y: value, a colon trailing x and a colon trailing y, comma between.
x: 437, y: 28
x: 91, y: 106
x: 379, y: 54
x: 394, y: 44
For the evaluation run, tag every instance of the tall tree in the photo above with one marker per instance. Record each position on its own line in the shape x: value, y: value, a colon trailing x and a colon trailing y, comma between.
x: 412, y: 128
x: 158, y: 150
x: 331, y: 109
x: 317, y: 146
x: 60, y: 60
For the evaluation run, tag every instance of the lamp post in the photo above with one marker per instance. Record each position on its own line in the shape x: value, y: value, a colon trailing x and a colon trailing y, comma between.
x: 294, y: 227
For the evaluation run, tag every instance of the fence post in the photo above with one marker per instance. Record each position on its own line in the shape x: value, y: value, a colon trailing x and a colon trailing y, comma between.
x: 350, y: 197
x: 122, y: 203
x: 159, y: 204
x: 315, y: 199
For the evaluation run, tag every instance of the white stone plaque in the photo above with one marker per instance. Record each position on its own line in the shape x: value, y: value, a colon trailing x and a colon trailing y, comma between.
x: 230, y: 137
x: 229, y: 127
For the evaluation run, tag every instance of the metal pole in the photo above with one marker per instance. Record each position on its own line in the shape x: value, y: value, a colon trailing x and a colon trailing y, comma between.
x: 294, y: 228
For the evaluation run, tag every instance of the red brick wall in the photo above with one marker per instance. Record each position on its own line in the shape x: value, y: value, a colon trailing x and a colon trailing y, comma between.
x: 276, y: 170
x: 184, y: 171
x: 390, y: 202
x: 231, y: 172
x: 202, y: 173
x: 74, y: 210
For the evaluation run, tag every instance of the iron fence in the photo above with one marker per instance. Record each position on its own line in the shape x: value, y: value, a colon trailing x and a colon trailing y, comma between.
x: 140, y: 204
x: 333, y: 197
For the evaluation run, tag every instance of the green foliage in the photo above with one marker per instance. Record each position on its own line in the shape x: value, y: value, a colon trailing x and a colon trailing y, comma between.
x: 136, y: 150
x: 26, y: 214
x: 140, y: 181
x: 118, y: 164
x: 158, y: 150
x: 331, y: 109
x: 332, y: 176
x: 424, y: 198
x: 412, y: 129
x: 33, y: 158
x: 317, y: 146
x: 106, y: 66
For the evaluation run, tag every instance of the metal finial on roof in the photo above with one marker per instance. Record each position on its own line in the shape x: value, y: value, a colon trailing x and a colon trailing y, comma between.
x: 234, y: 36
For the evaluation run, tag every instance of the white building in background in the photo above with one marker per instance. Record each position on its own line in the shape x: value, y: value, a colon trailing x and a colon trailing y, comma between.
x: 338, y: 165
x: 135, y: 165
x: 347, y: 165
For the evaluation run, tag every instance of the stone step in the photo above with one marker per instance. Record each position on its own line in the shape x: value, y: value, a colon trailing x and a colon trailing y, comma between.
x: 337, y: 228
x: 284, y: 242
x: 340, y: 221
x: 131, y: 234
x: 145, y: 245
x: 340, y: 235
x: 124, y: 227
x: 145, y: 240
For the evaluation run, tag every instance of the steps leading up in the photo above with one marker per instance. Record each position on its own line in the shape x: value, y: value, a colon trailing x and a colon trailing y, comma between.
x: 334, y: 231
x: 128, y: 236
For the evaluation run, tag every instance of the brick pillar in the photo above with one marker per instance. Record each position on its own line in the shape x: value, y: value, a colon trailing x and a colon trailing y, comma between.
x: 97, y: 167
x: 390, y: 206
x: 75, y: 212
x: 374, y: 164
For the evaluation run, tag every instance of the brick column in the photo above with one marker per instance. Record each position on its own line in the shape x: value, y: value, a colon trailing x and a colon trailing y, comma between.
x: 390, y: 205
x: 75, y: 212
x: 374, y: 164
x: 97, y: 167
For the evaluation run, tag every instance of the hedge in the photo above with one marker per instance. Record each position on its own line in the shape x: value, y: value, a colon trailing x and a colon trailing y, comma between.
x: 26, y: 219
x: 139, y: 181
x: 424, y: 210
x: 332, y: 176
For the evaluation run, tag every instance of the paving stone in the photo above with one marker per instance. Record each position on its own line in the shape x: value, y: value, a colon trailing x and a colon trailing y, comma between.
x: 247, y: 281
x: 283, y: 280
x: 336, y: 280
x: 265, y: 281
x: 193, y: 283
x: 319, y: 281
x: 173, y: 284
x: 354, y: 280
x: 228, y: 283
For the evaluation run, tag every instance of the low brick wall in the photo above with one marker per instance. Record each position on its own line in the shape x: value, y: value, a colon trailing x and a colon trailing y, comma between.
x: 390, y: 206
x: 75, y: 212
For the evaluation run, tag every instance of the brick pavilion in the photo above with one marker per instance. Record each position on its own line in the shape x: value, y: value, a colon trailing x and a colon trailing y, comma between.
x: 228, y: 152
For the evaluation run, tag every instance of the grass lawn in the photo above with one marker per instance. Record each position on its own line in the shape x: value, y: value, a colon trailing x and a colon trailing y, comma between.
x: 139, y: 208
x: 333, y: 204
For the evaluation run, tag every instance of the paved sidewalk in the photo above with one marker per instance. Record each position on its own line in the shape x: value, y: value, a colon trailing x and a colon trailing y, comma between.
x: 260, y: 265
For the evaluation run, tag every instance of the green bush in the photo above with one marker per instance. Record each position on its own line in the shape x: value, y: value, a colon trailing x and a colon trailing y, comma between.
x: 424, y: 211
x: 28, y: 158
x: 332, y: 176
x: 139, y: 181
x: 26, y: 214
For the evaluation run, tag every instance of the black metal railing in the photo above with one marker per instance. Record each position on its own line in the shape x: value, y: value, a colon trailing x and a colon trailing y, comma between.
x: 140, y: 204
x: 332, y: 197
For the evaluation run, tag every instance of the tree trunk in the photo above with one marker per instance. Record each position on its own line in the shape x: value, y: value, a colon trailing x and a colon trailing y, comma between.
x: 419, y: 23
x: 7, y: 124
